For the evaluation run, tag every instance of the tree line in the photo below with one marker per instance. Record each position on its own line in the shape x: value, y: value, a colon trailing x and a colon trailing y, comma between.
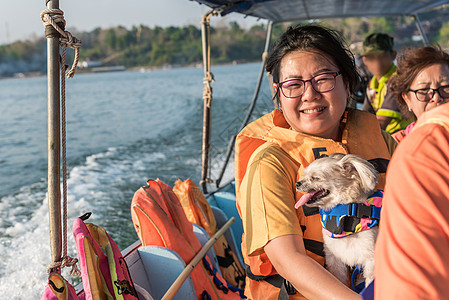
x: 142, y: 46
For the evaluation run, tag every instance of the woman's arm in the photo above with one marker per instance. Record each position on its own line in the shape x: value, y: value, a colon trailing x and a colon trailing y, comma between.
x: 288, y: 256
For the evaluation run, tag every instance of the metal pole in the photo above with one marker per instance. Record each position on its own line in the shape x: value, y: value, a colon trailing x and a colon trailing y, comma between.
x: 420, y: 29
x: 207, y: 100
x: 253, y: 103
x: 54, y: 190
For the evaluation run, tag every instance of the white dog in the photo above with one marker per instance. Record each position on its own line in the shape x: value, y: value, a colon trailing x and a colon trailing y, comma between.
x: 335, y: 184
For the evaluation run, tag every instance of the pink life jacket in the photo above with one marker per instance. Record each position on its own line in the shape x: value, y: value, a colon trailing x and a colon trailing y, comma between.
x: 103, y: 268
x: 59, y: 289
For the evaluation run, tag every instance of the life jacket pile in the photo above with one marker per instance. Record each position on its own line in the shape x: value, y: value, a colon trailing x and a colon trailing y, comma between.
x: 199, y: 212
x: 159, y: 220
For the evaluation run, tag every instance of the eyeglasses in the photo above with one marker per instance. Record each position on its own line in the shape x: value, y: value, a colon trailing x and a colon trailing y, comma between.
x: 321, y: 83
x: 425, y: 95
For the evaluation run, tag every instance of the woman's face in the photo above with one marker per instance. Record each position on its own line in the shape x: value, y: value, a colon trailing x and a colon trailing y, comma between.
x: 433, y: 77
x: 313, y: 113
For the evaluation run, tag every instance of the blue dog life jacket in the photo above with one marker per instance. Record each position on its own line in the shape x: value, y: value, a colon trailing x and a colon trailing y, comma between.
x: 346, y: 219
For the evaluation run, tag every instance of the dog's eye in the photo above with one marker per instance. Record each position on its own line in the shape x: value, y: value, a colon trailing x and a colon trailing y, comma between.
x: 315, y: 178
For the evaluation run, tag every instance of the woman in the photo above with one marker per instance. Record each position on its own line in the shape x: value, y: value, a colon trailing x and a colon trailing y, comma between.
x: 421, y: 83
x: 314, y: 75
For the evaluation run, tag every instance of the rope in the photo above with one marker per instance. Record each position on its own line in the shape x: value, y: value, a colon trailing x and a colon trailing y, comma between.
x: 208, y: 76
x: 207, y: 100
x: 65, y: 40
x: 67, y: 261
x: 52, y: 17
x: 207, y: 90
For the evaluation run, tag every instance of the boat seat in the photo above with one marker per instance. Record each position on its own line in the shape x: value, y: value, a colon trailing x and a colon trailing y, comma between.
x: 226, y: 201
x: 221, y: 219
x: 203, y: 237
x: 162, y: 267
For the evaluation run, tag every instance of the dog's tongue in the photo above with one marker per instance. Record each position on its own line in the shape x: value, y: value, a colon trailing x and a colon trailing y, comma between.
x: 305, y: 198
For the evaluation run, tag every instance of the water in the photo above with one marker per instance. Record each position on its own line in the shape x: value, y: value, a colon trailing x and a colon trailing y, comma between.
x: 123, y: 128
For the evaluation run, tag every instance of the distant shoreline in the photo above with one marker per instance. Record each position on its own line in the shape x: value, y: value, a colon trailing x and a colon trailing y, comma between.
x: 122, y: 68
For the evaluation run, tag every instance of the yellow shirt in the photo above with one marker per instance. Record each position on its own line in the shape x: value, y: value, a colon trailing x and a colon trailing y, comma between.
x: 271, y: 213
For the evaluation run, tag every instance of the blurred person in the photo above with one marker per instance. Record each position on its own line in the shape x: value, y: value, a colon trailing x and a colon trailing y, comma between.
x: 378, y: 56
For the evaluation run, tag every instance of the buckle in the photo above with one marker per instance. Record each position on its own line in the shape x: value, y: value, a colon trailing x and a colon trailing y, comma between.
x: 363, y: 211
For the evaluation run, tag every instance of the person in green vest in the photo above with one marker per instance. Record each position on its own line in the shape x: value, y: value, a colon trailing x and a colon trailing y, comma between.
x: 378, y: 56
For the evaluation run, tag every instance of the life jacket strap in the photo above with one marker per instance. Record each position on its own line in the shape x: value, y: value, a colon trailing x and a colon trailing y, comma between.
x: 213, y: 272
x: 310, y: 211
x: 362, y: 211
x: 286, y: 288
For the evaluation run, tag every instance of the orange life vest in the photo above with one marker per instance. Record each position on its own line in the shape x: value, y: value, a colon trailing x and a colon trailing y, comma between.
x: 199, y: 212
x: 159, y: 220
x: 361, y: 136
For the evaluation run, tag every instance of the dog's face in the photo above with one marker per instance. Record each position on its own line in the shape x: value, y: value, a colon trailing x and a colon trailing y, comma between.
x: 337, y: 179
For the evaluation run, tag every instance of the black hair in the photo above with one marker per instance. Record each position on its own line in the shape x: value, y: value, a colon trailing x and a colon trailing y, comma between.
x: 314, y: 38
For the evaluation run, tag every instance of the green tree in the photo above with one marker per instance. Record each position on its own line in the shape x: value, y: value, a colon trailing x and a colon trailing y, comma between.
x: 111, y: 39
x: 444, y: 35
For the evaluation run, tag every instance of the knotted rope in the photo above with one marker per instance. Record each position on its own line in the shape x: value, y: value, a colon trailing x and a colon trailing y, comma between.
x: 53, y: 17
x: 207, y: 89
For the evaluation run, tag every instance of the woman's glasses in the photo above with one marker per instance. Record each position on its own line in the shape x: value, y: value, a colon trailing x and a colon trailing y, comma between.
x: 425, y: 95
x: 321, y: 83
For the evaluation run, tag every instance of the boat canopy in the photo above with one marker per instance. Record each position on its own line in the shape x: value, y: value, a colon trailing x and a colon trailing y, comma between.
x: 296, y: 10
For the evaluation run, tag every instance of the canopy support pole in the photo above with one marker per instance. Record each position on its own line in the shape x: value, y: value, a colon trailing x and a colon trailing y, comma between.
x: 252, y: 105
x: 54, y: 144
x: 420, y: 29
x: 207, y: 99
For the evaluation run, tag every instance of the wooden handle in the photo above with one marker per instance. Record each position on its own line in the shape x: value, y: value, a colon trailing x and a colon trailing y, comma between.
x: 198, y: 257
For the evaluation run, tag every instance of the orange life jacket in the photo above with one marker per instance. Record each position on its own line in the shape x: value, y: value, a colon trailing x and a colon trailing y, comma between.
x: 198, y: 211
x: 159, y: 220
x: 361, y: 136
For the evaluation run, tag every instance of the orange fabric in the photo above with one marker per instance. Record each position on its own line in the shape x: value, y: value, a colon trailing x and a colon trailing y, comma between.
x: 195, y: 205
x: 199, y: 212
x: 159, y: 220
x: 399, y: 136
x: 412, y: 250
x: 270, y: 158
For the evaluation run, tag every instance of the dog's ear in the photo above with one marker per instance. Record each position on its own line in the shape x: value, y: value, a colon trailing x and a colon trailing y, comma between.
x: 366, y: 171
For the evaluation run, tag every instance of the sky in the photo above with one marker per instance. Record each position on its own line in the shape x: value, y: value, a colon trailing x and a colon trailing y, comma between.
x: 20, y: 19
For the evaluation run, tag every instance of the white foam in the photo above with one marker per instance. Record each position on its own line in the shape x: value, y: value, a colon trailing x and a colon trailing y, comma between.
x: 24, y: 230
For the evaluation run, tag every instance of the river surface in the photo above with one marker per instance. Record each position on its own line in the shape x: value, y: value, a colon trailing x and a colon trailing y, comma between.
x: 122, y: 129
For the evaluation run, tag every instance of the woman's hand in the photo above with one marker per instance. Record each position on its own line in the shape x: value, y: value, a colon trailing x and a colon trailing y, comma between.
x: 289, y: 258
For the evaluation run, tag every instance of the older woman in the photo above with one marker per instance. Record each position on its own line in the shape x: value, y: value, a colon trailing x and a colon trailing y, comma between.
x: 314, y: 75
x: 421, y: 83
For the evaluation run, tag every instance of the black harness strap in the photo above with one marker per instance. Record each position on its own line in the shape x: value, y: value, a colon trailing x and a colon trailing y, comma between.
x: 314, y: 246
x: 310, y: 211
x: 286, y: 288
x: 380, y: 164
